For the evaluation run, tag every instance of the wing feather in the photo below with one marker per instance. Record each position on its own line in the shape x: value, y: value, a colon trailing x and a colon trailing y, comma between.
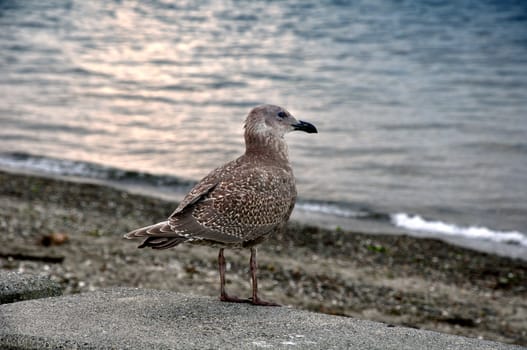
x: 236, y: 203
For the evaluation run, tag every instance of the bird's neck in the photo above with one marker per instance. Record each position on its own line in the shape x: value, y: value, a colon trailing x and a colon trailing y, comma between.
x: 266, y: 147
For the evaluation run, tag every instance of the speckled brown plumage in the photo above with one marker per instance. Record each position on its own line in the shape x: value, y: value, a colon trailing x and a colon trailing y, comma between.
x: 242, y: 202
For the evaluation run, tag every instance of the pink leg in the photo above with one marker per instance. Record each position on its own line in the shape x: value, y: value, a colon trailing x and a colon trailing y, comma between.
x: 223, y: 294
x: 255, y: 300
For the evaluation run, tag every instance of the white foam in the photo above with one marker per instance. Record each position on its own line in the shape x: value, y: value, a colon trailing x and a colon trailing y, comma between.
x: 330, y: 209
x: 417, y: 223
x: 261, y: 344
x: 49, y: 166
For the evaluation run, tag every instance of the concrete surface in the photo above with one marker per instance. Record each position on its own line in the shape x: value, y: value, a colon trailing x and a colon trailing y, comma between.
x: 15, y: 286
x: 153, y: 319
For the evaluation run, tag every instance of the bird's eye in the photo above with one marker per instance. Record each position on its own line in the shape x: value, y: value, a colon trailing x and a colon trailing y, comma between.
x: 282, y: 115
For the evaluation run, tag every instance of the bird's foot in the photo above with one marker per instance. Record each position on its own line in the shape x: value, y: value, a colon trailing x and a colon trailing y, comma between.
x: 231, y: 299
x: 258, y: 301
x: 250, y: 300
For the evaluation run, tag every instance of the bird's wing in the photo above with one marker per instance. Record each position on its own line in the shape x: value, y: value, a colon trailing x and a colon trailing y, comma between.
x: 236, y: 206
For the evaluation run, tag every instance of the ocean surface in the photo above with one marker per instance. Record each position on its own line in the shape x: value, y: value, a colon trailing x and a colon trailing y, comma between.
x: 421, y: 106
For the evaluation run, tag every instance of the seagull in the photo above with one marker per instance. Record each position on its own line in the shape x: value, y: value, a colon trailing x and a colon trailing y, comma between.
x: 241, y: 203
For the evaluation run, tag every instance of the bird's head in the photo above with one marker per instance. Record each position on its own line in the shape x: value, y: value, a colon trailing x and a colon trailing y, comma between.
x: 270, y: 120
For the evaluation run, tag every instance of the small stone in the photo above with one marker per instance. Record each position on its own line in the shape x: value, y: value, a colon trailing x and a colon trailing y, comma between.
x: 18, y: 286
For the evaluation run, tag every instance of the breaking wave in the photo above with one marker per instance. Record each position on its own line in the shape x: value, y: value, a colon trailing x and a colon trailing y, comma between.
x: 64, y: 167
x: 419, y: 224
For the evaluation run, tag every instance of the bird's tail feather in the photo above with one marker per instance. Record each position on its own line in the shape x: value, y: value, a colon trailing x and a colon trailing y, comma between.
x: 147, y: 230
x: 162, y: 242
x: 158, y: 236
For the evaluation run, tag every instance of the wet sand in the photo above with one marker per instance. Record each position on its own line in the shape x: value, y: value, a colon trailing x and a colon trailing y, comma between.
x: 73, y: 233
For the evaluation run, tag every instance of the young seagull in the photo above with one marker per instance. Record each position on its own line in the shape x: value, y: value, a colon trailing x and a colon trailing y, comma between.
x: 241, y: 203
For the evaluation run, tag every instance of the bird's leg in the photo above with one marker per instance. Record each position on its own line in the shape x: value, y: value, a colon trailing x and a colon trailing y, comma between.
x: 223, y: 294
x: 255, y: 300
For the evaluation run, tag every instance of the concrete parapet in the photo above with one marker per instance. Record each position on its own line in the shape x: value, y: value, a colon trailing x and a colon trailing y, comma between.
x: 152, y: 319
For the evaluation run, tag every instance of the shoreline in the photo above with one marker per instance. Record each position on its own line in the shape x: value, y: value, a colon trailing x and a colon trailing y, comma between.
x: 371, y: 222
x: 324, y: 219
x: 398, y: 279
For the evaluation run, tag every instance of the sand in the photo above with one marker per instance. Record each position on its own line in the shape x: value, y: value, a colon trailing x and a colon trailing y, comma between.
x: 72, y: 232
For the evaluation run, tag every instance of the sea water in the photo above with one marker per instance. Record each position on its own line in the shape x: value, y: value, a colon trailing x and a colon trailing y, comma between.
x: 421, y: 106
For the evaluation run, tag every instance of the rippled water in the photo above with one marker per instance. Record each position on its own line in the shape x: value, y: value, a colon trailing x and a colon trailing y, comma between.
x: 421, y: 105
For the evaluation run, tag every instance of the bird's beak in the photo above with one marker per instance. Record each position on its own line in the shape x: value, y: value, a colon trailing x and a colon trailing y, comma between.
x: 305, y: 126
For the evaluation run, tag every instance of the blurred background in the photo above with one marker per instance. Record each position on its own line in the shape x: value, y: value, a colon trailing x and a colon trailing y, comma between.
x: 421, y: 106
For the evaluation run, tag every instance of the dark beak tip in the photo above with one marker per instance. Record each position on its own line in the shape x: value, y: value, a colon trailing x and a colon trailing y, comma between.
x: 306, y: 127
